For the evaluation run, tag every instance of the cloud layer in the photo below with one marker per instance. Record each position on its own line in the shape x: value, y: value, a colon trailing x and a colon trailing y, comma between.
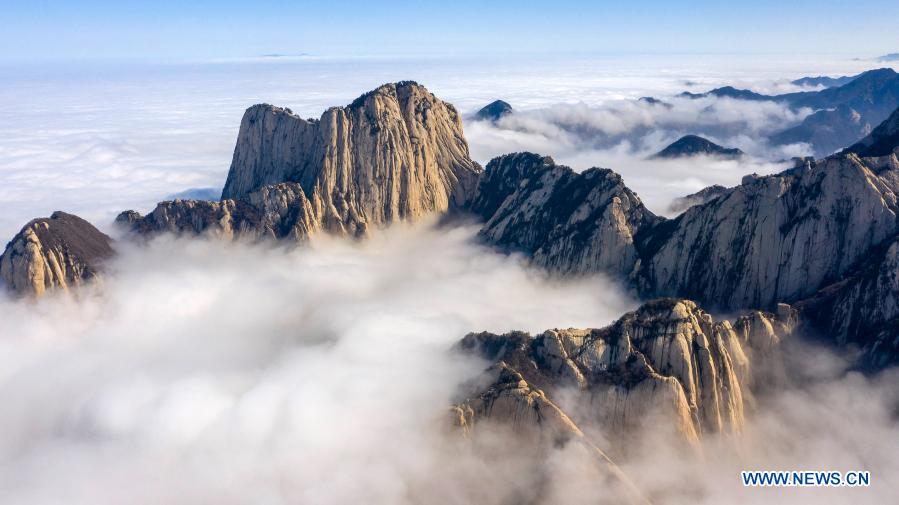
x: 96, y: 138
x: 200, y: 371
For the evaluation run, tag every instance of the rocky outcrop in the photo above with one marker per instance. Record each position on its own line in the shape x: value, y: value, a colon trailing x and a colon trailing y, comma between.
x: 694, y: 145
x: 278, y: 211
x: 494, y: 111
x: 61, y: 251
x: 704, y: 195
x: 774, y: 238
x: 569, y: 222
x: 508, y: 400
x: 668, y: 363
x: 395, y: 153
x: 882, y: 141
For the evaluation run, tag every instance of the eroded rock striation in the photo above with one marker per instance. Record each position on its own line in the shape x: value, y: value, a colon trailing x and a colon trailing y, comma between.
x: 61, y: 251
x: 668, y: 363
x: 775, y: 238
x: 277, y: 211
x: 569, y: 222
x: 396, y: 153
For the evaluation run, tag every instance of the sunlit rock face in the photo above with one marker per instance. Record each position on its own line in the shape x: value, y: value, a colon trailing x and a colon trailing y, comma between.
x: 278, y: 211
x: 61, y: 251
x: 775, y: 238
x: 395, y: 153
x: 568, y: 222
x: 667, y: 363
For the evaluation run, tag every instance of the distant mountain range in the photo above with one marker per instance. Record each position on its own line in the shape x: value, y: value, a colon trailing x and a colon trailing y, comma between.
x: 827, y: 82
x: 843, y: 113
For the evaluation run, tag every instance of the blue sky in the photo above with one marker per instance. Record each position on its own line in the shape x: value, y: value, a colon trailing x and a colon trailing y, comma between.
x: 34, y: 29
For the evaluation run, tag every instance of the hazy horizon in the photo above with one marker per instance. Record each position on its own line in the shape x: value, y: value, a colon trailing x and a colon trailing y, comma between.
x: 98, y: 138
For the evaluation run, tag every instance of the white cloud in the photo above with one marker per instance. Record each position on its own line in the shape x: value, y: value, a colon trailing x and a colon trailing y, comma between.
x: 208, y: 372
x: 205, y: 372
x: 98, y: 138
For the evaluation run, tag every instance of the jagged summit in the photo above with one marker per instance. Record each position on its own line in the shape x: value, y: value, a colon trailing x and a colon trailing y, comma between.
x: 395, y: 152
x: 494, y: 111
x: 668, y: 361
x: 694, y: 145
x: 566, y: 221
x: 56, y: 252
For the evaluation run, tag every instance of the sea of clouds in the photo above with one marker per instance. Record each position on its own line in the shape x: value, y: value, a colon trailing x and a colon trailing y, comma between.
x: 200, y: 371
x: 96, y: 138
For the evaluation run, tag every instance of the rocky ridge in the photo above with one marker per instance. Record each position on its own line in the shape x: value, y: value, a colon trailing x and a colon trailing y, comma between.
x: 396, y: 153
x: 58, y: 252
x: 569, y: 222
x: 668, y: 363
x: 774, y: 238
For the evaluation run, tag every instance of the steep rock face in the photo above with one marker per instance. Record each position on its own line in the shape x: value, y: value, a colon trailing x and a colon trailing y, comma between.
x: 882, y: 140
x: 395, y: 153
x: 569, y: 222
x: 694, y: 145
x: 668, y: 362
x: 61, y: 251
x: 511, y: 401
x: 279, y: 211
x: 862, y: 308
x: 774, y: 238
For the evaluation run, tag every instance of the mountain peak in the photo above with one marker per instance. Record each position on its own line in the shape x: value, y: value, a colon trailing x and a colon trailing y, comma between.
x: 60, y: 251
x: 694, y: 145
x: 494, y: 111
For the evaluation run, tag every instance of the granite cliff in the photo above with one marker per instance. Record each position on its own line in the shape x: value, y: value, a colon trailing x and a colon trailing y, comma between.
x: 668, y: 363
x: 61, y: 251
x: 569, y: 222
x: 396, y: 153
